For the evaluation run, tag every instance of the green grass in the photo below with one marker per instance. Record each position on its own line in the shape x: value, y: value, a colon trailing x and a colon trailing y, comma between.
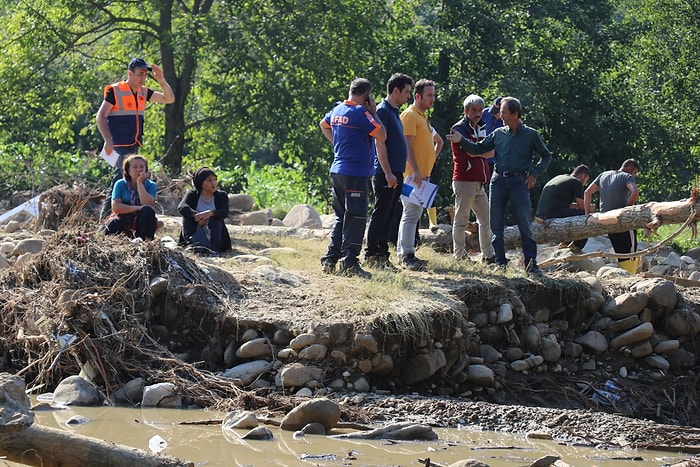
x: 682, y: 243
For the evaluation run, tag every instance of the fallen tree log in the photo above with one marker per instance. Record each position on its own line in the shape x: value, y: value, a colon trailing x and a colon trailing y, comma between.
x: 22, y: 441
x: 49, y: 447
x: 640, y: 216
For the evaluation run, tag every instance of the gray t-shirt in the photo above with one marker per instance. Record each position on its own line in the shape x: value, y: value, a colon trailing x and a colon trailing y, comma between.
x: 613, y: 189
x: 205, y: 205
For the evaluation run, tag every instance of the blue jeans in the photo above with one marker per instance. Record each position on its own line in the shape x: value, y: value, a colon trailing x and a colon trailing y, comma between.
x: 515, y: 191
x: 350, y: 209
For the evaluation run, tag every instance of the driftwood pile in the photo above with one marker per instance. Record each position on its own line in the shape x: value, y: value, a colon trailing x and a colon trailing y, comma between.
x: 102, y: 306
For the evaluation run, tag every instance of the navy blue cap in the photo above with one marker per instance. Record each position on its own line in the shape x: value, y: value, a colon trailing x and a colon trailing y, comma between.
x: 139, y: 63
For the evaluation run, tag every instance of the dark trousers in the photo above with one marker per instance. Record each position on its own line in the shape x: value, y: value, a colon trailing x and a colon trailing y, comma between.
x: 567, y: 212
x: 118, y: 174
x: 142, y: 223
x: 350, y: 209
x: 385, y: 206
x: 624, y: 242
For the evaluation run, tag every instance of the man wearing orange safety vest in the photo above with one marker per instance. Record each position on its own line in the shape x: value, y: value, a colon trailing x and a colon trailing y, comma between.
x: 121, y: 115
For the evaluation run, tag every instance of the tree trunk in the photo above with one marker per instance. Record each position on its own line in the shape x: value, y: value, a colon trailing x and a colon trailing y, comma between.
x: 649, y: 215
x: 49, y: 447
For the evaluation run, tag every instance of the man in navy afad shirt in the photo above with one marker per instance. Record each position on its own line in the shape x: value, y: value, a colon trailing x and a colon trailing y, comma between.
x: 352, y: 127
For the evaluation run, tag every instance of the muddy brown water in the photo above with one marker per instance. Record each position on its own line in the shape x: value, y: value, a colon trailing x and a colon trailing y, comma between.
x: 211, y: 446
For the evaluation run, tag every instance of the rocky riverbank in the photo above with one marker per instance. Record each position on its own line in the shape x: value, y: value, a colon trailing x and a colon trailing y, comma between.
x: 484, y: 349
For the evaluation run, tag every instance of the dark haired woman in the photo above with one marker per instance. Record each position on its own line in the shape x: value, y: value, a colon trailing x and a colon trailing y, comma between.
x: 133, y: 201
x: 204, y: 210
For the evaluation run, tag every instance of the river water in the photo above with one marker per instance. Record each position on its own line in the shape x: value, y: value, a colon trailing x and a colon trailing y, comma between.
x: 211, y: 446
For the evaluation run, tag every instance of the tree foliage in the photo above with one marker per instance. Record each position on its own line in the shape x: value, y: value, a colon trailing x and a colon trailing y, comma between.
x: 602, y: 81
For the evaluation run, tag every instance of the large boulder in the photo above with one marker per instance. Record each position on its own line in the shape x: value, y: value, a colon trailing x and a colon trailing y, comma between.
x: 323, y: 411
x: 303, y: 216
x: 76, y: 390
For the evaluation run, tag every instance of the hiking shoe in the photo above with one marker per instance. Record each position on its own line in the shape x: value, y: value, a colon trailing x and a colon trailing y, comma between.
x: 328, y: 267
x: 489, y: 260
x: 355, y: 270
x: 412, y: 263
x: 534, y: 272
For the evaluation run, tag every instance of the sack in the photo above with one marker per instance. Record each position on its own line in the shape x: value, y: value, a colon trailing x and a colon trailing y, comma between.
x: 200, y: 241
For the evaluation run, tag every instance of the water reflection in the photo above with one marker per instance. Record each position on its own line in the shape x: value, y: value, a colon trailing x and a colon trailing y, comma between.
x: 206, y: 444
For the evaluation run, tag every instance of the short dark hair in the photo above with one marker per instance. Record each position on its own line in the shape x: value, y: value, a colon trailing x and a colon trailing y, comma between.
x: 360, y: 86
x: 581, y: 169
x: 398, y: 80
x: 127, y: 165
x: 630, y: 163
x: 514, y: 105
x: 422, y: 84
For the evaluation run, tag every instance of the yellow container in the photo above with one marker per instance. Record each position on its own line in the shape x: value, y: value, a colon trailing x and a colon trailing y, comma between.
x: 630, y: 265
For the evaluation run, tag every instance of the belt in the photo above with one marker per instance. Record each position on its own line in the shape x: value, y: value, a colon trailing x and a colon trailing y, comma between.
x: 510, y: 173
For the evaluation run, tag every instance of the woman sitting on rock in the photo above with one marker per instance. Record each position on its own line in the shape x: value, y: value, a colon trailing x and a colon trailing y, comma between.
x: 133, y: 201
x: 204, y: 210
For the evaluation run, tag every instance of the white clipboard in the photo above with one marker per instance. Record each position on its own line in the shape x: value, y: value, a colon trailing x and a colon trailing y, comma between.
x: 111, y: 158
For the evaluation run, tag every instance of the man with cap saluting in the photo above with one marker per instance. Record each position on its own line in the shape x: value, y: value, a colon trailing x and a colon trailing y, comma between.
x: 121, y: 115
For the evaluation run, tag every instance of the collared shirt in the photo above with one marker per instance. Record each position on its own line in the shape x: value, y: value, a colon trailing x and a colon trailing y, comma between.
x: 513, y: 149
x: 396, y: 148
x: 465, y: 167
x: 416, y: 124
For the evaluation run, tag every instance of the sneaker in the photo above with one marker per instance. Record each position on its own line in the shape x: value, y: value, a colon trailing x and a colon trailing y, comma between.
x: 412, y: 263
x: 355, y: 270
x: 534, y: 272
x: 489, y: 260
x: 328, y: 267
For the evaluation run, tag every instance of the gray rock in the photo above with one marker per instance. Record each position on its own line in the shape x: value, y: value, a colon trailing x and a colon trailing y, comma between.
x: 593, y: 341
x: 15, y: 412
x: 625, y: 324
x: 256, y: 348
x: 322, y: 411
x: 661, y: 292
x: 628, y: 304
x: 423, y: 366
x: 314, y: 429
x: 256, y: 217
x: 28, y: 245
x: 505, y: 314
x: 469, y: 463
x: 633, y: 336
x: 683, y: 323
x: 480, y: 375
x: 361, y: 385
x: 297, y: 375
x: 303, y: 216
x: 241, y: 202
x: 75, y: 390
x: 246, y: 373
x: 657, y: 361
x: 367, y: 342
x: 532, y: 338
x: 313, y: 352
x: 161, y: 395
x: 260, y: 433
x: 302, y: 340
x: 550, y: 351
x: 131, y: 393
x: 240, y: 419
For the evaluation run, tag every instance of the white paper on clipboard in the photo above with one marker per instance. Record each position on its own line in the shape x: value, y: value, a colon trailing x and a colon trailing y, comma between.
x: 111, y: 158
x: 422, y: 196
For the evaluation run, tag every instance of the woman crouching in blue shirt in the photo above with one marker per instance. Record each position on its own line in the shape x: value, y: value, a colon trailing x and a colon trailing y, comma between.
x: 204, y: 210
x: 133, y: 201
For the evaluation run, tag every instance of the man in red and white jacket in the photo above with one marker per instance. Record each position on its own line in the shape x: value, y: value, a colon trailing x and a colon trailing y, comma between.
x: 470, y: 174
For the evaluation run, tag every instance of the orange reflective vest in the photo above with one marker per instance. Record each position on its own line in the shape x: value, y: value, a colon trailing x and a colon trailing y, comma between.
x: 125, y: 120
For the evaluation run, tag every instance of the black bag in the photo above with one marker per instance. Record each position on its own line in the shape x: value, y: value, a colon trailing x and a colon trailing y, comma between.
x: 200, y: 242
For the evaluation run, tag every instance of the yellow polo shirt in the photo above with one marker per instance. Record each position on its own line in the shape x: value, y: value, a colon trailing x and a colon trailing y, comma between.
x: 416, y: 124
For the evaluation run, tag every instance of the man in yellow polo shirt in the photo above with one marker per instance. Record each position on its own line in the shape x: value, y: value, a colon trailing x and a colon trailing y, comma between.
x: 421, y: 158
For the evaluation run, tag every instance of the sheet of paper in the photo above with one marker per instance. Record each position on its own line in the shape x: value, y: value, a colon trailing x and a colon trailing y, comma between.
x: 110, y: 158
